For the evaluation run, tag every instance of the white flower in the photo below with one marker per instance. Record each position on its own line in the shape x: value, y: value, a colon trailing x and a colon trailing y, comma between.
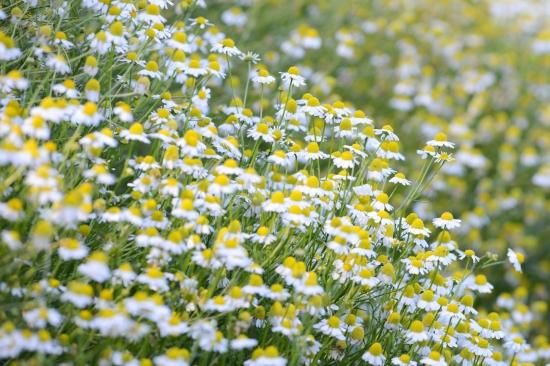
x: 446, y: 221
x: 135, y: 133
x: 479, y: 283
x: 58, y: 64
x: 262, y: 77
x: 96, y: 267
x: 87, y: 115
x: 243, y: 342
x: 374, y: 356
x: 173, y: 357
x: 332, y: 327
x: 40, y: 317
x: 434, y: 359
x: 516, y: 344
x: 440, y: 140
x: 226, y: 47
x: 399, y: 178
x: 268, y: 357
x: 234, y: 17
x: 71, y: 249
x: 292, y: 77
x: 515, y: 258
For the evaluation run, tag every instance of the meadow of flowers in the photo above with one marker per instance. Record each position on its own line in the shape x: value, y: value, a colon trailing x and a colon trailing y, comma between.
x: 272, y: 183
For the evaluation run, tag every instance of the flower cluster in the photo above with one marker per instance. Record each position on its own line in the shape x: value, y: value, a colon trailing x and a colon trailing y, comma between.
x: 154, y: 210
x: 469, y: 70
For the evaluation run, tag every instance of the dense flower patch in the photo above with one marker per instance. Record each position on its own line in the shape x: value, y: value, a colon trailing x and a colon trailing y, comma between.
x: 168, y: 198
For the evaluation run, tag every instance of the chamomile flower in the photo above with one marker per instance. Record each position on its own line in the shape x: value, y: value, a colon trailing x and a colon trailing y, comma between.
x: 312, y: 152
x: 277, y: 292
x: 13, y: 80
x: 399, y: 178
x: 234, y: 17
x: 446, y: 221
x: 40, y: 317
x: 154, y: 278
x: 428, y: 301
x: 201, y: 22
x: 173, y: 357
x: 70, y: 249
x: 136, y: 132
x: 151, y: 70
x: 434, y: 358
x: 100, y: 42
x: 237, y: 208
x: 331, y: 327
x: 151, y: 14
x: 174, y: 326
x: 479, y: 283
x: 78, y: 293
x: 87, y: 115
x: 11, y: 210
x: 266, y: 357
x: 516, y: 344
x: 417, y: 228
x: 124, y: 112
x: 261, y: 131
x: 515, y: 258
x: 416, y: 333
x: 243, y: 342
x: 101, y: 174
x: 8, y: 49
x: 226, y: 47
x: 191, y: 144
x: 124, y: 274
x: 67, y: 88
x: 440, y: 140
x: 403, y: 360
x: 344, y: 160
x: 58, y: 64
x: 292, y: 76
x: 374, y: 355
x: 262, y: 77
x: 470, y: 254
x: 96, y: 267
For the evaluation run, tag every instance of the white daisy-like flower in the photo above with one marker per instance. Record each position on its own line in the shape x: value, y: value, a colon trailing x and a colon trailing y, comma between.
x: 331, y: 327
x: 96, y: 267
x: 375, y: 355
x: 293, y: 77
x: 434, y: 359
x: 399, y: 178
x: 266, y: 357
x: 135, y: 133
x: 440, y: 140
x: 403, y: 360
x: 446, y: 221
x: 226, y: 47
x: 416, y: 333
x: 71, y: 249
x: 243, y: 342
x: 515, y: 258
x: 87, y: 115
x: 173, y: 357
x: 479, y: 283
x: 59, y: 64
x: 262, y: 77
x: 417, y: 228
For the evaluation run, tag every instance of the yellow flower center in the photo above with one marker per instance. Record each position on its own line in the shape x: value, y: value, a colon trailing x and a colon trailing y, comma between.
x: 333, y: 322
x: 90, y: 109
x: 376, y: 349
